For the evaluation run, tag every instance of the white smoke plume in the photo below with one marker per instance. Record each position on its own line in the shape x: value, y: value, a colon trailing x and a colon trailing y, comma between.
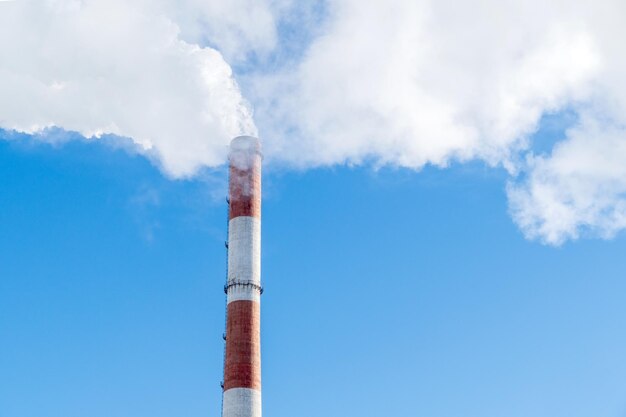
x: 579, y: 189
x: 118, y: 67
x: 397, y: 82
x: 410, y: 83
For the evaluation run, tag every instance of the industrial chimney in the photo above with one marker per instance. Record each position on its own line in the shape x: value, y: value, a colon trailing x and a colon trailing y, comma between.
x: 242, y: 361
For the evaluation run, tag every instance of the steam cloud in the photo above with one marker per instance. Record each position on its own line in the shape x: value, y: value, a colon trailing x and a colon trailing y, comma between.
x: 112, y: 66
x: 400, y: 82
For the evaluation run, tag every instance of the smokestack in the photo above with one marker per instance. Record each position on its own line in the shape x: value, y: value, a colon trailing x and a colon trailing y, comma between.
x: 242, y: 361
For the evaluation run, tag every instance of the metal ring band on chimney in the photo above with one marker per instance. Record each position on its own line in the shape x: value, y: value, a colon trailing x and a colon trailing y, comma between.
x: 251, y: 284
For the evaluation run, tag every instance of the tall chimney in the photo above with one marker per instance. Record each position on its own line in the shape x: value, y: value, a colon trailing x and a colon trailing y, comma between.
x: 242, y: 361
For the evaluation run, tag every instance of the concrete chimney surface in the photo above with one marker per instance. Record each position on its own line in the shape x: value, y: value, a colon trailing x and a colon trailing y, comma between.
x: 242, y: 362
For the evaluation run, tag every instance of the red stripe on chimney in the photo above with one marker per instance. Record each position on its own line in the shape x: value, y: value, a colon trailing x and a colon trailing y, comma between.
x: 245, y: 190
x: 243, y: 346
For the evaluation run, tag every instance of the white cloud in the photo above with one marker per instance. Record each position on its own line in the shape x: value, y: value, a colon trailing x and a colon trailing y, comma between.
x: 237, y: 27
x: 580, y: 189
x: 118, y: 67
x: 398, y: 82
x: 410, y: 83
x: 415, y: 82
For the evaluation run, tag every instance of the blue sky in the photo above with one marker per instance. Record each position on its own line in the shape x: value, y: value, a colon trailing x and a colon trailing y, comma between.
x: 444, y: 205
x: 388, y: 292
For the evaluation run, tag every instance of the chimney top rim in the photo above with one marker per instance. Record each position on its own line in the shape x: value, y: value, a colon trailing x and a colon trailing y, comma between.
x: 245, y: 143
